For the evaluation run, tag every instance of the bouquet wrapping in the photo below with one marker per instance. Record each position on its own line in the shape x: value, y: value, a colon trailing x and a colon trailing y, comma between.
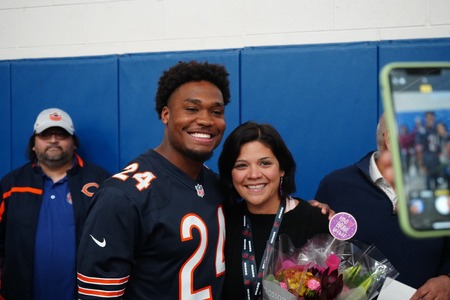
x: 324, y: 268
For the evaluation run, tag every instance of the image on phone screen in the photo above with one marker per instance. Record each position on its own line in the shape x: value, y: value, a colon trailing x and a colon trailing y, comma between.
x: 421, y: 105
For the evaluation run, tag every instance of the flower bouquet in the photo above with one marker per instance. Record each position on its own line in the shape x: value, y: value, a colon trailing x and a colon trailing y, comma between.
x: 324, y: 268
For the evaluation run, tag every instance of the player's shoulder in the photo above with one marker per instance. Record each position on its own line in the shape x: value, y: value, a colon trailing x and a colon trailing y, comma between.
x: 140, y: 169
x: 211, y: 174
x: 142, y: 179
x: 145, y: 161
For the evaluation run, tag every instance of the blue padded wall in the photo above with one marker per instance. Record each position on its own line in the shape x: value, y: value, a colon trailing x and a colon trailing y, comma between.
x: 414, y: 50
x: 84, y: 87
x: 321, y: 98
x: 324, y: 100
x: 140, y: 126
x: 5, y: 119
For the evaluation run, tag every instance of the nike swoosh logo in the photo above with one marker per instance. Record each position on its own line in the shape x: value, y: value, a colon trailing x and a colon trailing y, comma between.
x: 101, y: 244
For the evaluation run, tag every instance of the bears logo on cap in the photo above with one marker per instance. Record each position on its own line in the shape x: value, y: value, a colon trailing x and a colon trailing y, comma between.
x: 55, y: 117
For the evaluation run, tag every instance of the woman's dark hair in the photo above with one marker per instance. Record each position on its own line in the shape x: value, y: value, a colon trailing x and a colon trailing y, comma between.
x: 31, y: 155
x: 267, y: 135
x: 192, y: 71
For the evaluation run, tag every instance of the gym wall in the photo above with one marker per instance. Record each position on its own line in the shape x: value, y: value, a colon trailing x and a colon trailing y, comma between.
x: 323, y: 98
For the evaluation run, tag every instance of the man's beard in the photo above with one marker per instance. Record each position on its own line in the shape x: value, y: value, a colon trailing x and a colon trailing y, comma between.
x: 198, y: 156
x: 54, y: 161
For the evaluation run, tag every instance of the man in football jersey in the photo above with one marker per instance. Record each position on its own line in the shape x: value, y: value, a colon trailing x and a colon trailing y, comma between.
x: 156, y: 229
x: 43, y: 207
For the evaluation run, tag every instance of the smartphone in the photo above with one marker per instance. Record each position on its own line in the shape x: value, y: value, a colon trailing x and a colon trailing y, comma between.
x: 416, y: 100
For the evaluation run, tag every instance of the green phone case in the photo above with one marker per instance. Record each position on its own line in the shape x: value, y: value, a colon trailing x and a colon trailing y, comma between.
x: 386, y: 94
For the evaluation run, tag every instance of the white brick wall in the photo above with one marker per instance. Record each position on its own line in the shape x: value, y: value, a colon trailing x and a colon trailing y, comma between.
x: 59, y: 28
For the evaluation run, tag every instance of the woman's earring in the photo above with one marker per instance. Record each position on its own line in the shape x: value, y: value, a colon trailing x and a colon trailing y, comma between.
x: 281, y: 185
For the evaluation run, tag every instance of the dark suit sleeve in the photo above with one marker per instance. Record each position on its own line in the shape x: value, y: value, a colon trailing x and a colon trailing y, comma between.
x: 322, y: 193
x: 445, y: 266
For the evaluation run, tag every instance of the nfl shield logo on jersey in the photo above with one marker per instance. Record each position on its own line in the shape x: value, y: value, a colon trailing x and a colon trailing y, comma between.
x: 200, y: 191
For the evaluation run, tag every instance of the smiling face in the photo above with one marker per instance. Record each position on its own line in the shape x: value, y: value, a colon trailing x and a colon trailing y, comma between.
x: 195, y: 123
x: 256, y: 177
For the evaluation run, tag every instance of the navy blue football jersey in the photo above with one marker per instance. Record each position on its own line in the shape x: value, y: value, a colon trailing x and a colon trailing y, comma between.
x: 153, y: 233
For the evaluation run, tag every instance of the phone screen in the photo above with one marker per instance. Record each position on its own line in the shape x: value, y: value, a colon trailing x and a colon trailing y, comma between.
x: 421, y: 106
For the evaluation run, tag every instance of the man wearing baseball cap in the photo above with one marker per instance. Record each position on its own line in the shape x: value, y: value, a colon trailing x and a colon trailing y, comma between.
x: 43, y: 207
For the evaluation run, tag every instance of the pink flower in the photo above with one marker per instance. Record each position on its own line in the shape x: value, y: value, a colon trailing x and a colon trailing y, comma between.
x: 333, y: 262
x: 313, y: 285
x: 283, y: 285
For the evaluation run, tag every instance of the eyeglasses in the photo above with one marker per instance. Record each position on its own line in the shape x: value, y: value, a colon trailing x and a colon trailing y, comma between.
x: 59, y: 134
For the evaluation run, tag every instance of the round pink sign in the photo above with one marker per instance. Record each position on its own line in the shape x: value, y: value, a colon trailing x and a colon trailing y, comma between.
x: 343, y: 226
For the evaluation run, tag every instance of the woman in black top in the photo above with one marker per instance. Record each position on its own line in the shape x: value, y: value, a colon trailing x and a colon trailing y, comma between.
x: 258, y: 174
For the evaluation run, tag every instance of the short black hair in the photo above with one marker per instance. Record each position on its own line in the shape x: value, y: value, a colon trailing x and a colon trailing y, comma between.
x: 184, y: 72
x: 267, y: 135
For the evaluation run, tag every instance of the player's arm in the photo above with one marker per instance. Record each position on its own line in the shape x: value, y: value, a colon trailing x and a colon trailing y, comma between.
x: 106, y: 247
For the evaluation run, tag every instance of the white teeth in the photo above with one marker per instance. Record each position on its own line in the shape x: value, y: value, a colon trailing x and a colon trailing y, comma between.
x: 255, y: 187
x: 201, y: 135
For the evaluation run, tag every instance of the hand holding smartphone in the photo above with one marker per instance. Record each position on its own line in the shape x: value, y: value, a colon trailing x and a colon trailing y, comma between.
x: 416, y: 99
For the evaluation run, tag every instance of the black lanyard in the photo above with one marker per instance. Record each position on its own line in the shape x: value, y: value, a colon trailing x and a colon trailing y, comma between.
x: 253, y: 280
